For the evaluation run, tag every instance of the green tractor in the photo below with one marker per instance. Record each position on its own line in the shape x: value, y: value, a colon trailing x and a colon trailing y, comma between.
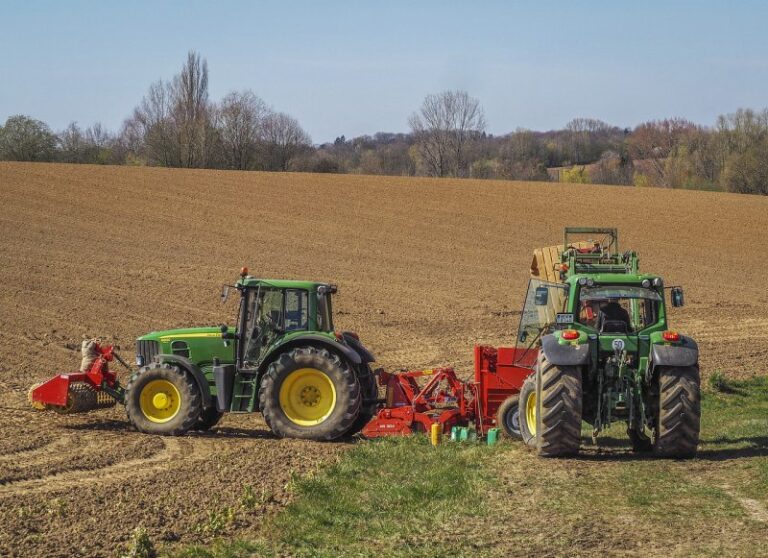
x: 283, y: 358
x: 605, y: 352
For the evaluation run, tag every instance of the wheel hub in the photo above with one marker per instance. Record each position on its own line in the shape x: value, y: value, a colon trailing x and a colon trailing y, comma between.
x: 160, y: 401
x: 310, y: 396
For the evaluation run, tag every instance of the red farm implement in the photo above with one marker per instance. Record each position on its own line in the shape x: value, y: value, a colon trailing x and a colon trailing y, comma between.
x: 411, y: 406
x: 92, y: 388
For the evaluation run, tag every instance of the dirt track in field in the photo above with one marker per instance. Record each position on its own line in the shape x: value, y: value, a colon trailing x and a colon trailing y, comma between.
x: 426, y: 269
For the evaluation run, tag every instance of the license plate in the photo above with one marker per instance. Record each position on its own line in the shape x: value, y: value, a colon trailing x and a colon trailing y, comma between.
x: 564, y: 318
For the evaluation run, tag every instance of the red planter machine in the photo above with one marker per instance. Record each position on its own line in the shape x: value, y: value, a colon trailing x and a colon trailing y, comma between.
x: 414, y: 406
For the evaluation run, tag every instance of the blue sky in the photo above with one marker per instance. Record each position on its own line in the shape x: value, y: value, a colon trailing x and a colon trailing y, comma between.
x: 361, y: 67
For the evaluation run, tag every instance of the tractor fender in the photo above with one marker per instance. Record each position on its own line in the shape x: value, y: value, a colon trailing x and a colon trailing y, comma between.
x: 352, y: 341
x: 564, y: 355
x: 197, y: 374
x: 685, y: 354
x: 314, y: 340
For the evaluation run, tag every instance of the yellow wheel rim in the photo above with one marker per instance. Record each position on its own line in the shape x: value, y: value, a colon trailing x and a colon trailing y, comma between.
x: 160, y: 401
x: 307, y: 396
x: 530, y: 412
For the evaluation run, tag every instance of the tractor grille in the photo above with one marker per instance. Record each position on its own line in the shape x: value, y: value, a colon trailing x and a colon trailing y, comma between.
x: 147, y: 350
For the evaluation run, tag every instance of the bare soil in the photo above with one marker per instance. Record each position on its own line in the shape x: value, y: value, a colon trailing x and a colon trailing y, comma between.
x: 425, y: 268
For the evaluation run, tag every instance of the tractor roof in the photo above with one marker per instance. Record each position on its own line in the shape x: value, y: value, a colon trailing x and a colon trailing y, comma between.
x: 249, y: 281
x: 611, y: 278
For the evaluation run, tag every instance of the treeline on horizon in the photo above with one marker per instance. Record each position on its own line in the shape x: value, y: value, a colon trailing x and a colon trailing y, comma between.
x: 176, y: 125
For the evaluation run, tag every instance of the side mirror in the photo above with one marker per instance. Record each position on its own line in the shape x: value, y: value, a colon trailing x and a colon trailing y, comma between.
x: 225, y: 333
x: 677, y: 297
x: 523, y: 336
x: 224, y: 293
x: 541, y: 297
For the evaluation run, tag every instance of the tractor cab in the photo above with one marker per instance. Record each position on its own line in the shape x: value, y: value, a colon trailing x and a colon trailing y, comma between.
x: 273, y: 312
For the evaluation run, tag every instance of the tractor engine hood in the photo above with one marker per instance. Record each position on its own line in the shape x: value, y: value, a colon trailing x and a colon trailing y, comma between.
x: 198, y: 345
x: 168, y: 335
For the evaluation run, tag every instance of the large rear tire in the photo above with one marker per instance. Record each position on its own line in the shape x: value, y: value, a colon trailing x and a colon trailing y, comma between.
x: 309, y: 393
x: 528, y: 411
x: 678, y: 420
x: 558, y: 409
x: 369, y: 390
x: 162, y: 399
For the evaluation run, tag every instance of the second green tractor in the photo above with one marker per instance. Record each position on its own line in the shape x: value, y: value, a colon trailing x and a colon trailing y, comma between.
x: 605, y: 351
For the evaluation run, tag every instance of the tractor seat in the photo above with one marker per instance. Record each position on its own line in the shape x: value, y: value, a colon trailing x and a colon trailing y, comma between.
x: 612, y: 318
x: 614, y: 326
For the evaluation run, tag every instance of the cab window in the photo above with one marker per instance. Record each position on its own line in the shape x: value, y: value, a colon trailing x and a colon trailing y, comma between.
x: 618, y: 309
x: 296, y: 310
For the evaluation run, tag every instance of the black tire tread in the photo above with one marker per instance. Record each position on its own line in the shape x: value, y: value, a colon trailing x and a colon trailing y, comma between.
x: 510, y: 405
x: 558, y: 405
x: 323, y: 359
x: 678, y: 423
x: 369, y: 389
x: 190, y: 392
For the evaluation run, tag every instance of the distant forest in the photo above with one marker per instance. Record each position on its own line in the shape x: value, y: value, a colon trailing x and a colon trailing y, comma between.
x: 176, y: 124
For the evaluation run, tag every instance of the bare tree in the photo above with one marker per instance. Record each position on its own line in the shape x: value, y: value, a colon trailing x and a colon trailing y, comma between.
x: 284, y: 138
x: 652, y: 143
x: 173, y: 120
x: 151, y: 130
x: 241, y: 118
x: 585, y: 138
x: 72, y: 145
x: 191, y: 111
x: 443, y: 127
x: 98, y: 136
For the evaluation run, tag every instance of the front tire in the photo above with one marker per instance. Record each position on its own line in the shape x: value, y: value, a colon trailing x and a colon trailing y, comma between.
x: 162, y: 399
x: 558, y: 409
x: 309, y: 393
x: 678, y: 419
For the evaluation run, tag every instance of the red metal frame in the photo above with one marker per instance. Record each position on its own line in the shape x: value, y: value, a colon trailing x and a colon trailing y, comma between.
x: 54, y: 391
x: 448, y: 401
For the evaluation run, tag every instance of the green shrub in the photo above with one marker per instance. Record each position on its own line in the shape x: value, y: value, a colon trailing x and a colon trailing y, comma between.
x: 141, y: 545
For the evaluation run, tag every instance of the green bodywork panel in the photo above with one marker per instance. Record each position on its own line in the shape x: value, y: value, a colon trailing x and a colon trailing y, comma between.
x: 199, y: 344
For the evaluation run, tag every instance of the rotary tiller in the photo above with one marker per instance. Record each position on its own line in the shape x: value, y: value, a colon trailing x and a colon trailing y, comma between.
x: 77, y: 392
x: 410, y: 406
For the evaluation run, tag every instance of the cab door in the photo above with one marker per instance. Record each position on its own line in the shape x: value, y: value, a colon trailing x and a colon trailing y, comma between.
x: 543, y: 302
x: 263, y: 325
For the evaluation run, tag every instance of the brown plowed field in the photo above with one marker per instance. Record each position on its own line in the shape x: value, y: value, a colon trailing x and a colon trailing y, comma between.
x: 426, y: 268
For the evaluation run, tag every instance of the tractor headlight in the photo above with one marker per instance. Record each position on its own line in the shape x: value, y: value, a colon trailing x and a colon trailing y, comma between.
x: 583, y: 281
x: 646, y: 283
x: 658, y: 282
x: 591, y: 282
x: 139, y: 360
